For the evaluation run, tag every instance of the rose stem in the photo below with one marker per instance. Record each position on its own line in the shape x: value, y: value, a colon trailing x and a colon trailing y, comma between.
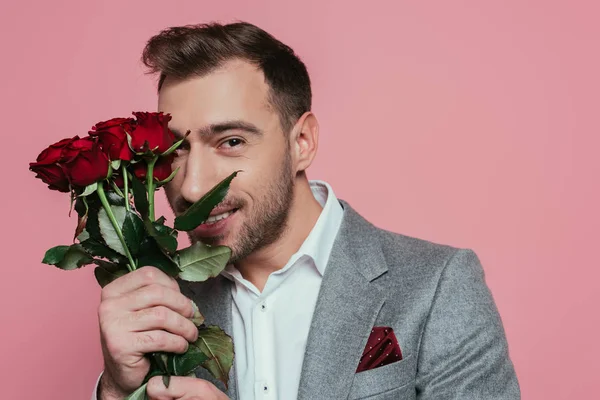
x: 125, y: 185
x: 114, y: 186
x: 150, y: 184
x: 113, y: 220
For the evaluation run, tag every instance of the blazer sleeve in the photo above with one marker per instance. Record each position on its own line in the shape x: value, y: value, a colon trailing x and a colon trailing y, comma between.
x: 463, y: 352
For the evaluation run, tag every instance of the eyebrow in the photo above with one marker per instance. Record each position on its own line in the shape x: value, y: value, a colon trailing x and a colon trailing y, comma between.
x: 218, y: 128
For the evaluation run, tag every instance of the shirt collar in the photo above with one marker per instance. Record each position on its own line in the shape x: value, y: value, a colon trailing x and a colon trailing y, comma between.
x: 319, y: 242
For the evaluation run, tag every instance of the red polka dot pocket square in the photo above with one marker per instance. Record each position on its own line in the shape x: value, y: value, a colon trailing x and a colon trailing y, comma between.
x: 382, y: 348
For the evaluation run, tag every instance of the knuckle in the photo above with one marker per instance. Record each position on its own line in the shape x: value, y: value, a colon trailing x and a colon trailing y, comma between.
x: 192, y: 330
x: 154, y: 293
x: 184, y: 303
x: 160, y: 313
x: 149, y: 273
x: 180, y: 345
x: 149, y: 338
x: 204, y: 386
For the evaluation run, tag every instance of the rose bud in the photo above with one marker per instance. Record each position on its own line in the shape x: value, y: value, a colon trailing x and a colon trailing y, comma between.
x: 52, y: 174
x: 47, y: 168
x: 86, y: 162
x: 152, y: 133
x: 162, y: 169
x: 112, y: 136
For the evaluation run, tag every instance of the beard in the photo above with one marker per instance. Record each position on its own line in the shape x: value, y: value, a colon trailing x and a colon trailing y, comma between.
x: 266, y: 222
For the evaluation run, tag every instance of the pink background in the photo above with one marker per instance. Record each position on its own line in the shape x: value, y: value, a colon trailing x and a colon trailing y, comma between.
x: 471, y: 123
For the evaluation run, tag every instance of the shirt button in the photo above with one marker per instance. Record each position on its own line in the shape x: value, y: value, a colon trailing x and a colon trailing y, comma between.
x: 263, y: 307
x: 265, y: 389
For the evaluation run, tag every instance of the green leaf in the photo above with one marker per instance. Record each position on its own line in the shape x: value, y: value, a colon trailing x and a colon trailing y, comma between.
x: 108, y: 231
x: 114, y: 199
x: 140, y: 196
x: 55, y: 255
x: 89, y: 189
x: 160, y: 360
x: 96, y: 248
x: 218, y: 346
x: 83, y: 236
x: 91, y: 226
x: 200, y: 210
x: 184, y: 364
x: 197, y: 318
x: 116, y: 164
x: 139, y: 394
x: 165, y: 237
x: 67, y: 257
x: 133, y: 232
x: 200, y: 262
x: 106, y: 272
x: 157, y: 366
x: 150, y: 254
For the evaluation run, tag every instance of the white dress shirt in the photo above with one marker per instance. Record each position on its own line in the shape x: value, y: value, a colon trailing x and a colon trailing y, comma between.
x: 270, y: 329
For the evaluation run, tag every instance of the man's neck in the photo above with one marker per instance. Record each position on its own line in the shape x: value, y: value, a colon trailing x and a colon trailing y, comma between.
x: 303, y: 215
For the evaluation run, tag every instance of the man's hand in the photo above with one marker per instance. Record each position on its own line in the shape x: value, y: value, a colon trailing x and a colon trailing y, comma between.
x: 140, y: 312
x: 183, y: 388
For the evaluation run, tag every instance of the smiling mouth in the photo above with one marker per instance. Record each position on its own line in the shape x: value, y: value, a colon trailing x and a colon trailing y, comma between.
x: 218, y: 217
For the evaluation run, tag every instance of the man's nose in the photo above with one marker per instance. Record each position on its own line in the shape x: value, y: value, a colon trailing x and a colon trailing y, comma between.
x: 201, y: 175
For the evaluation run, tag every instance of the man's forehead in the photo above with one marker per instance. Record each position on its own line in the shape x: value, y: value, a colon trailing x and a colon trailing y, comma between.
x: 235, y: 90
x: 233, y: 75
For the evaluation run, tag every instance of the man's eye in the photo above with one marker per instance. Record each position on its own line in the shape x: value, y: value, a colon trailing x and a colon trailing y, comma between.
x: 233, y: 142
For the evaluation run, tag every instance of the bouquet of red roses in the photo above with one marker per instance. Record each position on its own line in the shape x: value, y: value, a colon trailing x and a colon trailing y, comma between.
x: 112, y: 175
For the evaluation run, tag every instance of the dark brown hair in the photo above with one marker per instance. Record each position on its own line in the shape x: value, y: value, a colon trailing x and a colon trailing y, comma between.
x: 195, y: 50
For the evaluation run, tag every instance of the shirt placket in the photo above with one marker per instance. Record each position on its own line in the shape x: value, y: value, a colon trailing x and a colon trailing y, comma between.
x: 264, y: 350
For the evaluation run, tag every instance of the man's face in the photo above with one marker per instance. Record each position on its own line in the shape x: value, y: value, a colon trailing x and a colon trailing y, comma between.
x: 233, y: 127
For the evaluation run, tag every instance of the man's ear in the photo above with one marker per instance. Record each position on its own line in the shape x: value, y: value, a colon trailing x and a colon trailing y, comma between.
x: 304, y: 141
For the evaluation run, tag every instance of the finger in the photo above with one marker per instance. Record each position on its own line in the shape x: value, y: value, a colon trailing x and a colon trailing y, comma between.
x: 157, y: 295
x: 183, y: 388
x: 139, y: 278
x: 161, y: 317
x: 158, y: 340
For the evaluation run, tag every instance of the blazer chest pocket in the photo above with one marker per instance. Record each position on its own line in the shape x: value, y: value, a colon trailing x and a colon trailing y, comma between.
x: 383, y: 379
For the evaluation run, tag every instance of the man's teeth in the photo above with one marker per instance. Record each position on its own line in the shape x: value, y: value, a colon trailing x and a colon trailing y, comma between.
x: 218, y: 217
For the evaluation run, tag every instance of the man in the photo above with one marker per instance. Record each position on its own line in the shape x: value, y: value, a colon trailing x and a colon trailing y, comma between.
x: 312, y: 287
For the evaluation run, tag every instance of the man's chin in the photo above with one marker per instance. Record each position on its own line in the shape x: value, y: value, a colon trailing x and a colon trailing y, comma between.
x: 209, y: 240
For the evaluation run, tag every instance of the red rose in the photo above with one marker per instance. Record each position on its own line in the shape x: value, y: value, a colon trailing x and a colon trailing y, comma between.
x: 72, y: 150
x: 53, y: 175
x: 47, y: 165
x: 112, y: 136
x: 85, y: 163
x: 162, y: 168
x: 152, y: 133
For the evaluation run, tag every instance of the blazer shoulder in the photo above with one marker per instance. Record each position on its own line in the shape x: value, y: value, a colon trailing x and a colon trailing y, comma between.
x: 406, y: 254
x: 402, y: 254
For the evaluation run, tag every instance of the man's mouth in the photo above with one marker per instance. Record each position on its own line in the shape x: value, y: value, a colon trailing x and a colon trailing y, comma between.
x: 217, y: 217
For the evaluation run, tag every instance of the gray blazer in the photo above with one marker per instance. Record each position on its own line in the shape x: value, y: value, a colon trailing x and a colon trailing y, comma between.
x: 433, y: 296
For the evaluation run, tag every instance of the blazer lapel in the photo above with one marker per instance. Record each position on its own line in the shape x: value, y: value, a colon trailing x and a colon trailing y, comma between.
x: 347, y: 307
x: 213, y: 298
